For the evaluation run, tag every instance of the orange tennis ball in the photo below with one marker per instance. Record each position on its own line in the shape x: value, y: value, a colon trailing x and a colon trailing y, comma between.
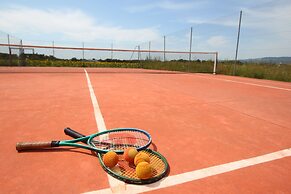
x: 129, y: 154
x: 141, y: 157
x: 110, y: 159
x: 143, y: 170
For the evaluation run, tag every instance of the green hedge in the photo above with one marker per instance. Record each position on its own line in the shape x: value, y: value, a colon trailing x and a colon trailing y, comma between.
x: 253, y: 70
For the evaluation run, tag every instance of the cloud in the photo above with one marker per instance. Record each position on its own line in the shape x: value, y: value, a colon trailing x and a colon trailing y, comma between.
x: 224, y: 22
x: 68, y: 24
x: 165, y: 5
x: 217, y: 41
x: 265, y: 31
x: 273, y: 18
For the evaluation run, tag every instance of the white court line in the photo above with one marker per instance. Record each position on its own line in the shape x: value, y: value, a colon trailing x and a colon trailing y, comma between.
x: 201, y: 173
x: 97, y: 112
x: 118, y: 186
x: 115, y: 185
x: 252, y: 84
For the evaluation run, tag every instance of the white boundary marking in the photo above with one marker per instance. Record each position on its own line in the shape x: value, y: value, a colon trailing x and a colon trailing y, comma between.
x: 97, y: 112
x: 201, y: 173
x: 252, y: 84
x: 115, y: 185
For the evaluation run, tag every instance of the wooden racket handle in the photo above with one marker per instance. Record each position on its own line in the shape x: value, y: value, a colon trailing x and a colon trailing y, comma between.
x: 21, y: 146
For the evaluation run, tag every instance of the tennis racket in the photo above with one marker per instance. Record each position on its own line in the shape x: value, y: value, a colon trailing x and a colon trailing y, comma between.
x: 125, y: 172
x: 116, y: 140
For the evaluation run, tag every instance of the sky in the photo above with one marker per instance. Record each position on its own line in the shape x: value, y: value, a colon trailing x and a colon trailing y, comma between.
x: 266, y: 24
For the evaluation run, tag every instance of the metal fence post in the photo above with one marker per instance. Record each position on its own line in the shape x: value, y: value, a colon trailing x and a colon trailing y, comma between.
x: 138, y: 54
x: 111, y: 51
x: 149, y: 50
x: 237, y: 43
x: 190, y: 43
x: 164, y: 48
x: 53, y: 49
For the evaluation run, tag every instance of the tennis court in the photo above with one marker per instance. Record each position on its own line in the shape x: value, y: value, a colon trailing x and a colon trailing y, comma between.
x: 220, y: 134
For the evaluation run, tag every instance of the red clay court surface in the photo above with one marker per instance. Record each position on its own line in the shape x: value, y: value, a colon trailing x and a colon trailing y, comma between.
x: 220, y: 134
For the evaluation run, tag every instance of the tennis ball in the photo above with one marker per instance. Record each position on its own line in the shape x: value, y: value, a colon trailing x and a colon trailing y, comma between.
x: 110, y: 159
x: 141, y: 157
x: 129, y: 154
x: 143, y: 170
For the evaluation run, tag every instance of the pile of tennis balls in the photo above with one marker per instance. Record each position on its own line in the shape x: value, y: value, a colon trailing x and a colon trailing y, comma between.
x: 141, y: 160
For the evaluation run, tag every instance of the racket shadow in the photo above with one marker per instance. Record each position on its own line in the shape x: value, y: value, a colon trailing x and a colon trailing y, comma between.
x: 75, y: 150
x: 158, y: 183
x: 154, y: 147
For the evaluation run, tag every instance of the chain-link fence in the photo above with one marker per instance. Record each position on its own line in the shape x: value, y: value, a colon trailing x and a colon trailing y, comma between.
x: 147, y: 55
x: 262, y: 50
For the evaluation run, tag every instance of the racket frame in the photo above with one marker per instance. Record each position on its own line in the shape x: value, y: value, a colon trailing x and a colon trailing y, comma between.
x: 137, y: 181
x: 89, y: 139
x: 75, y: 134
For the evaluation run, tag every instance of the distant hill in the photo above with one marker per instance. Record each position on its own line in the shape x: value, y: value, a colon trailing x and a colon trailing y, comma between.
x: 271, y: 60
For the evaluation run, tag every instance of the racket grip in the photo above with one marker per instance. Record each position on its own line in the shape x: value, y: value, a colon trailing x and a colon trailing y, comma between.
x: 21, y: 146
x: 70, y: 132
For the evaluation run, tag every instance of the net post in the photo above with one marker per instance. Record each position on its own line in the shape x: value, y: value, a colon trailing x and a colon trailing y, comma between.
x: 215, y: 62
x: 52, y: 60
x: 83, y: 53
x: 21, y: 55
x: 9, y: 48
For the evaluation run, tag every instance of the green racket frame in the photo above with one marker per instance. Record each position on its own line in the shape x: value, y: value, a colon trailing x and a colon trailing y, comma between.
x: 22, y: 146
x: 110, y: 171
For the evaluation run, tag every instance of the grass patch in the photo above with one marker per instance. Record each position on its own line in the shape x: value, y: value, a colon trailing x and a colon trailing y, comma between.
x: 280, y: 72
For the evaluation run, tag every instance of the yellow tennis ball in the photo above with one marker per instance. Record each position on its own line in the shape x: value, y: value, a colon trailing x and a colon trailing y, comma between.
x: 141, y: 157
x: 143, y: 170
x: 129, y: 154
x: 110, y: 159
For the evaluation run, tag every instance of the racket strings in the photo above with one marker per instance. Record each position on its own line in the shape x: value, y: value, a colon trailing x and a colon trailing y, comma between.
x: 120, y: 140
x: 125, y: 140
